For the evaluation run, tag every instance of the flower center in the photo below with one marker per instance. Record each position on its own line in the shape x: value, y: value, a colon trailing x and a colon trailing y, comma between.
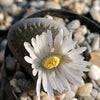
x: 52, y: 62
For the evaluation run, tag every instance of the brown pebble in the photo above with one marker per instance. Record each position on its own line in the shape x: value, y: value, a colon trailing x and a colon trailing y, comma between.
x: 95, y: 58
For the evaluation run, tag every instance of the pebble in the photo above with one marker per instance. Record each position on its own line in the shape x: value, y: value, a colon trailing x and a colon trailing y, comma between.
x: 6, y: 2
x: 49, y: 17
x: 86, y: 98
x: 14, y: 9
x: 10, y: 63
x: 73, y: 25
x: 94, y: 72
x: 1, y: 16
x: 35, y: 97
x: 9, y: 19
x: 24, y: 96
x: 90, y: 38
x: 96, y: 43
x: 13, y: 83
x: 37, y: 4
x: 60, y: 97
x: 58, y: 19
x: 31, y: 92
x: 52, y: 4
x: 95, y: 85
x: 74, y: 99
x: 83, y: 29
x: 70, y: 94
x: 44, y: 96
x: 74, y: 88
x: 98, y: 81
x: 98, y: 96
x: 95, y: 11
x: 95, y: 58
x: 85, y: 90
x: 94, y: 93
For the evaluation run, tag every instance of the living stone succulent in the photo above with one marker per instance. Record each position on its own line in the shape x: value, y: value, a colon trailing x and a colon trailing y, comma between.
x: 24, y: 30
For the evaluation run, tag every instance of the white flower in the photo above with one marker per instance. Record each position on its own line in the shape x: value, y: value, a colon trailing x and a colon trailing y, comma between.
x: 56, y: 61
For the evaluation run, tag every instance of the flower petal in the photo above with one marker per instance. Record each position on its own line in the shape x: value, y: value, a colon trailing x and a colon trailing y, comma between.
x: 30, y: 50
x: 77, y: 51
x: 38, y: 85
x: 28, y: 59
x: 34, y: 72
x: 58, y: 41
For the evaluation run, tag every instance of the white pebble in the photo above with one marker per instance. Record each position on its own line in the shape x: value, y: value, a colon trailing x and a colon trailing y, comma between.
x: 24, y: 96
x: 9, y: 19
x: 1, y: 16
x: 74, y: 99
x: 96, y: 43
x: 69, y: 95
x: 94, y: 72
x: 74, y: 87
x: 94, y: 92
x: 98, y: 96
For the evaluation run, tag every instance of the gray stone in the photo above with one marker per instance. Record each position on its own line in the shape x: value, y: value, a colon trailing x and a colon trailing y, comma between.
x: 73, y: 25
x: 96, y: 43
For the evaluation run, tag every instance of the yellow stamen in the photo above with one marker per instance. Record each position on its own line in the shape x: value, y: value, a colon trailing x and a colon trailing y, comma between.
x: 52, y: 62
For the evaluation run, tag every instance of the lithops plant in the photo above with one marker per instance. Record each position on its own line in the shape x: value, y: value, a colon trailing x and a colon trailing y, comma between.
x: 48, y: 46
x: 24, y: 30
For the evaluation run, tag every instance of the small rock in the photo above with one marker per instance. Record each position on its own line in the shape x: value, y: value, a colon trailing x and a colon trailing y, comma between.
x: 44, y: 96
x: 95, y: 58
x: 94, y: 72
x: 14, y: 9
x: 74, y: 88
x: 29, y: 98
x: 6, y: 2
x: 78, y: 36
x: 1, y: 16
x: 49, y: 17
x: 94, y: 93
x: 3, y: 27
x: 86, y: 98
x: 73, y: 25
x: 31, y: 92
x: 96, y: 43
x: 90, y: 38
x: 60, y: 97
x: 13, y: 83
x: 58, y: 19
x: 9, y: 19
x: 24, y: 96
x: 37, y: 4
x: 95, y: 85
x: 10, y: 63
x: 69, y: 95
x: 98, y: 96
x: 83, y: 29
x: 52, y: 4
x: 95, y: 10
x: 98, y: 81
x: 85, y: 90
x: 74, y: 99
